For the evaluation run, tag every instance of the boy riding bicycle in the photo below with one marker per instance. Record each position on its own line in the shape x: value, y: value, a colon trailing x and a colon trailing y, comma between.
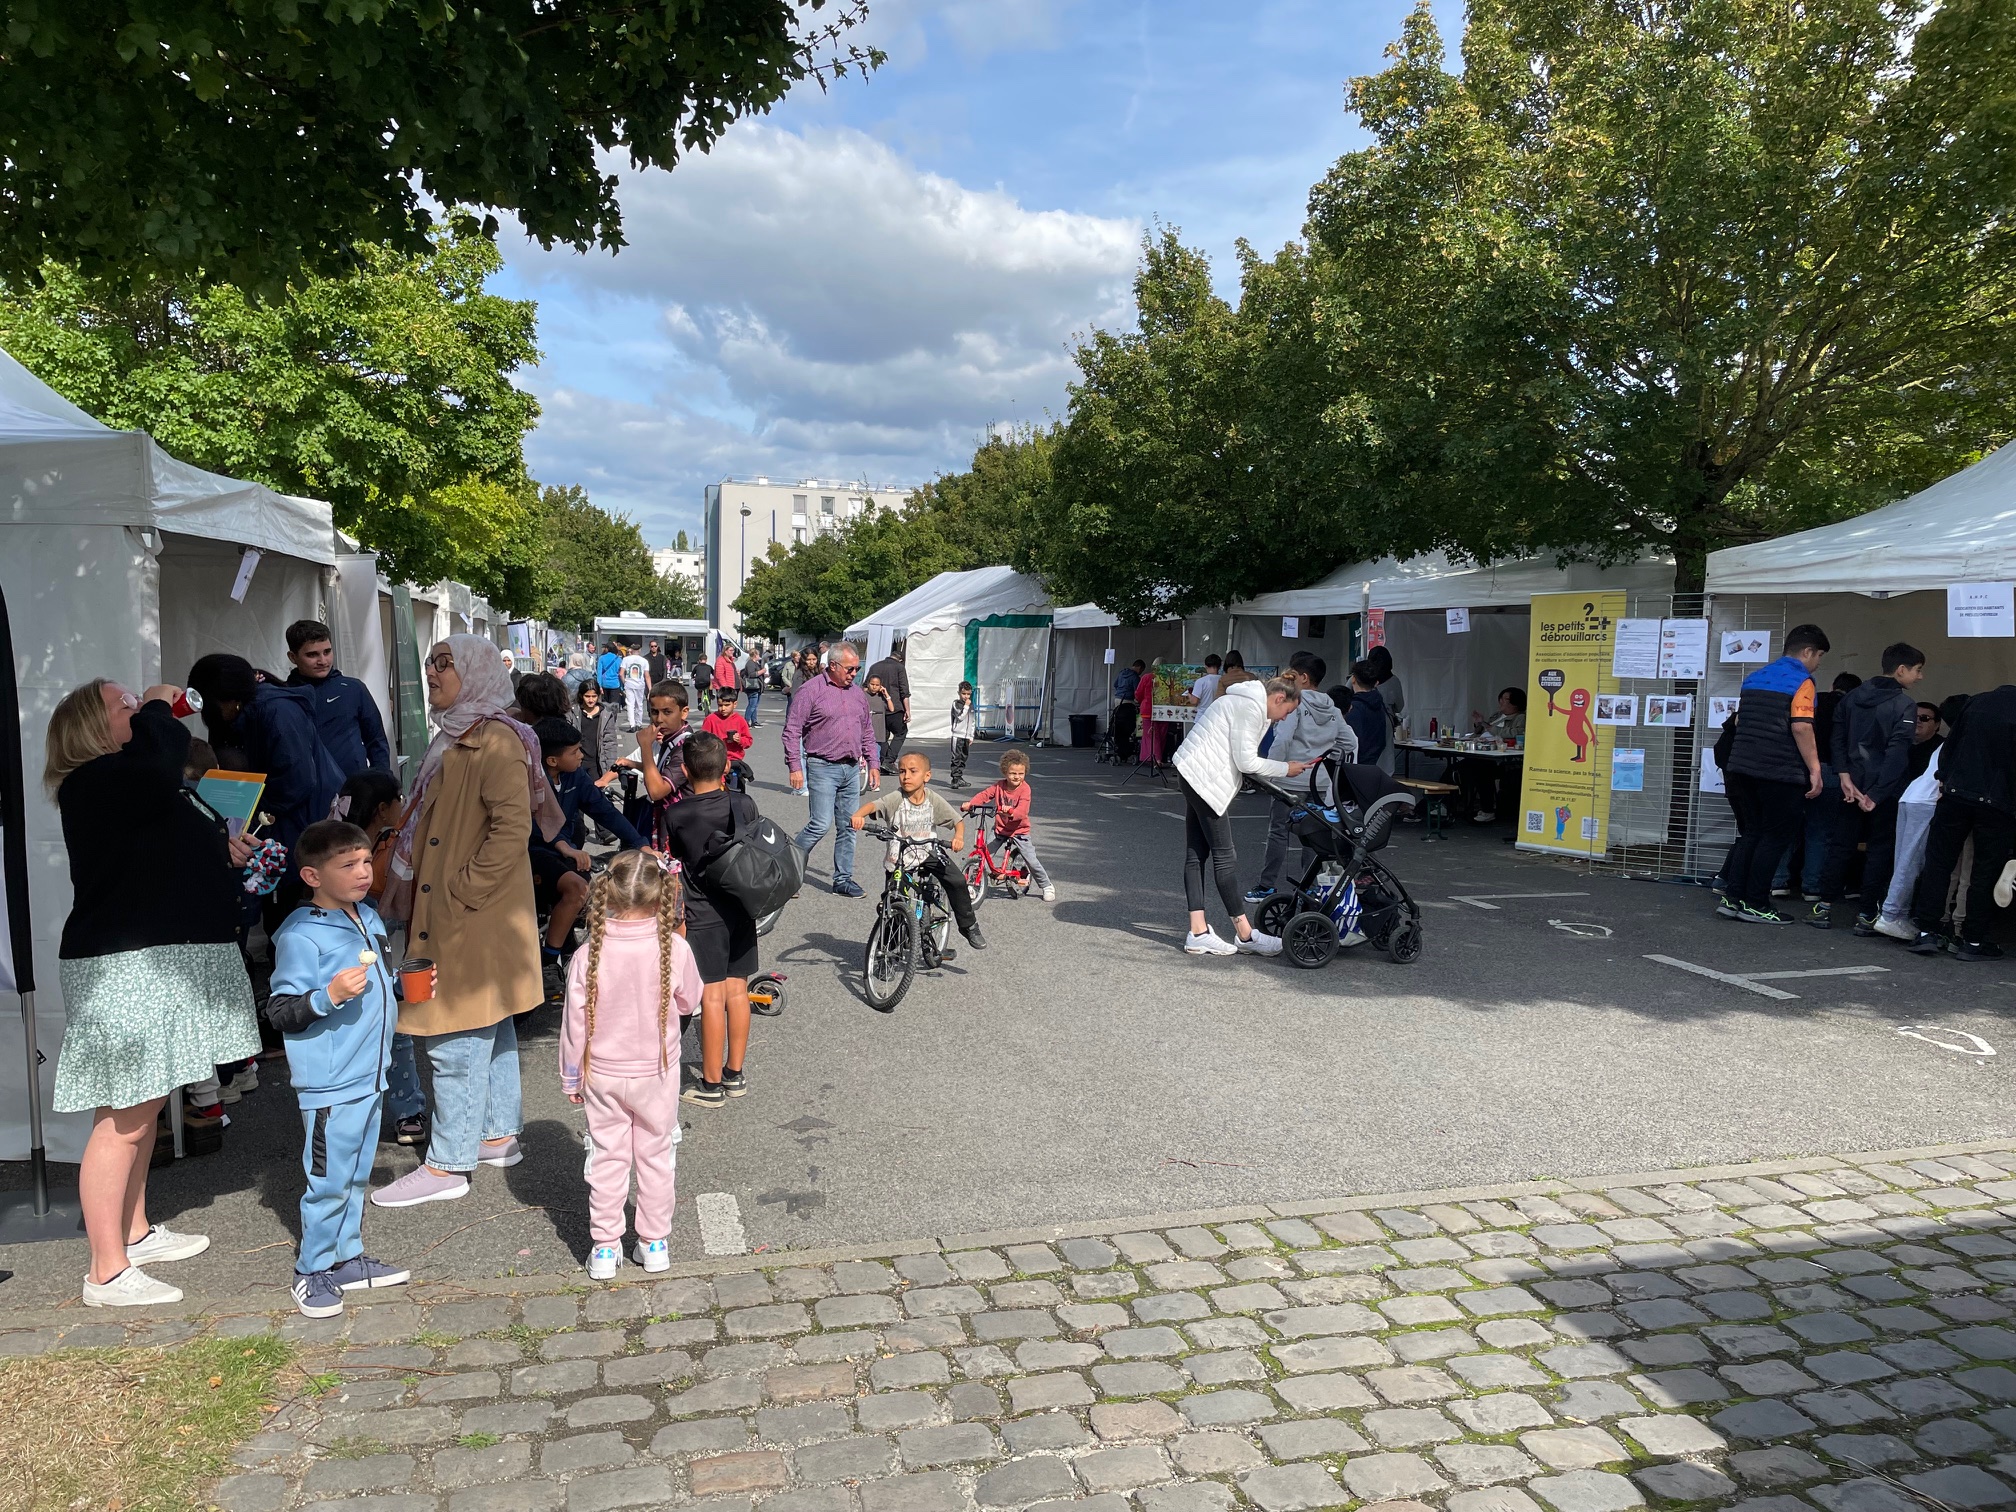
x: 1010, y: 798
x: 917, y: 814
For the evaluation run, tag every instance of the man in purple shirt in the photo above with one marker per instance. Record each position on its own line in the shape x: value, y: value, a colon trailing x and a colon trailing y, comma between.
x: 829, y: 744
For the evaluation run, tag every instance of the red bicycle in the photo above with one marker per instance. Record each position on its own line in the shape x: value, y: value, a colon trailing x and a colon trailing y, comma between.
x: 983, y: 870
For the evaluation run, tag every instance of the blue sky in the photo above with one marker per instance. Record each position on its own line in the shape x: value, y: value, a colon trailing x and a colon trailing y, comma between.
x: 860, y: 283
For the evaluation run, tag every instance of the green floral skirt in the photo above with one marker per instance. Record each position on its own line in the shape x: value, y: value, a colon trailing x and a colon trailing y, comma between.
x: 141, y: 1023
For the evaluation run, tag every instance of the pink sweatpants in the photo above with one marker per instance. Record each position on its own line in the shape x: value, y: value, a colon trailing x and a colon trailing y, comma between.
x: 633, y: 1122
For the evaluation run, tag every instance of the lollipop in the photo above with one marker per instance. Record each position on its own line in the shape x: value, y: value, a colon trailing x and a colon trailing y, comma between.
x: 367, y: 957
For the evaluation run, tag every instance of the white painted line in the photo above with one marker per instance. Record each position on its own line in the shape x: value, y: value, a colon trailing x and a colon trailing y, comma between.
x: 1722, y: 976
x: 1477, y: 900
x: 721, y: 1224
x: 1578, y: 927
x: 1975, y: 1044
x: 1785, y: 976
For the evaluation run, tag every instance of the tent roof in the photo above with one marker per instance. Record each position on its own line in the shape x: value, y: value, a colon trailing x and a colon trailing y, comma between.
x: 1433, y: 581
x: 955, y: 598
x: 1960, y: 530
x: 160, y: 492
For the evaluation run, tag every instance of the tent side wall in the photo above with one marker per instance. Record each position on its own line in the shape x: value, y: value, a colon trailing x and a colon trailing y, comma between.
x: 1082, y: 683
x: 1260, y: 641
x: 1446, y: 677
x: 356, y: 611
x: 936, y: 662
x: 199, y: 616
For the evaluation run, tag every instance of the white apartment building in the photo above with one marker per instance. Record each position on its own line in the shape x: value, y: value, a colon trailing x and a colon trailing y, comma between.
x: 670, y: 562
x: 744, y: 516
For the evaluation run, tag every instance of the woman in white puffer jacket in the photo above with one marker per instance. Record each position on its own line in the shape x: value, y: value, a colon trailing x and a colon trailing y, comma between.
x: 1221, y: 750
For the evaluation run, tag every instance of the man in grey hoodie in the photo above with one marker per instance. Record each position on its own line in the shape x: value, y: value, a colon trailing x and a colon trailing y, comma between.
x: 1314, y: 731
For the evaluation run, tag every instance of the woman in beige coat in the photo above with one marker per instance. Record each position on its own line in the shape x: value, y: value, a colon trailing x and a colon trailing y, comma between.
x: 462, y: 878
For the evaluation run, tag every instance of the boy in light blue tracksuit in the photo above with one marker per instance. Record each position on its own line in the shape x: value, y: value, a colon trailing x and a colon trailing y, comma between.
x: 334, y: 1004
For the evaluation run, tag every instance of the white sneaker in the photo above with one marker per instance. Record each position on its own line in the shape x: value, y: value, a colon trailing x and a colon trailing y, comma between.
x: 1897, y: 929
x: 2005, y: 885
x: 161, y: 1244
x: 1050, y: 893
x: 1259, y: 944
x: 602, y: 1262
x: 132, y: 1287
x: 1208, y: 943
x: 654, y: 1255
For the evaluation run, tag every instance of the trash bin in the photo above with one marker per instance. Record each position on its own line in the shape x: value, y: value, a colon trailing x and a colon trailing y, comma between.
x: 1084, y: 729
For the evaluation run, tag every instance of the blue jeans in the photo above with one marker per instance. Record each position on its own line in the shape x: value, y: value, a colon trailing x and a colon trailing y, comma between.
x: 1815, y: 833
x: 475, y: 1093
x: 403, y: 1093
x: 755, y: 707
x: 833, y: 788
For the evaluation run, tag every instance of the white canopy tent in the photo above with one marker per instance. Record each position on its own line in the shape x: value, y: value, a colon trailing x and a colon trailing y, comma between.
x: 1081, y: 679
x: 118, y: 561
x: 990, y: 626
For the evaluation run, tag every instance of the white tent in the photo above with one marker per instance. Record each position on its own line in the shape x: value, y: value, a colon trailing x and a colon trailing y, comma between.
x: 989, y: 626
x: 118, y: 561
x: 1081, y: 678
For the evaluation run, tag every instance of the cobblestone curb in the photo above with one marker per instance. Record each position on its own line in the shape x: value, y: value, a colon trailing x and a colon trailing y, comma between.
x: 1830, y: 1332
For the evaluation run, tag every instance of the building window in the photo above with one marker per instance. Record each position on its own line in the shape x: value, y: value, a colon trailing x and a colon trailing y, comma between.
x: 797, y: 503
x: 826, y: 505
x: 798, y: 535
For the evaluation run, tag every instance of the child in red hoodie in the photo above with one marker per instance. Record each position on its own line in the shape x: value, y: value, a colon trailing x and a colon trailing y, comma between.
x: 1011, y: 797
x: 734, y: 733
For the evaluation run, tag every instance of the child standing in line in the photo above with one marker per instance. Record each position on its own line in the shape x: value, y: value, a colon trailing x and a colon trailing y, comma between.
x: 962, y: 733
x: 333, y: 1003
x: 371, y: 800
x: 1011, y: 798
x: 619, y: 1054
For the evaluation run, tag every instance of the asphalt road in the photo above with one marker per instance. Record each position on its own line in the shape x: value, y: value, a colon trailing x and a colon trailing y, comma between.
x: 1083, y: 1067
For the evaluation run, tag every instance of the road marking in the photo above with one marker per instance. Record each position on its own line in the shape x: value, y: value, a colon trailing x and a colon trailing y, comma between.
x: 1585, y: 930
x: 1978, y: 1045
x: 1477, y: 900
x: 1818, y: 971
x: 1722, y: 976
x: 721, y: 1224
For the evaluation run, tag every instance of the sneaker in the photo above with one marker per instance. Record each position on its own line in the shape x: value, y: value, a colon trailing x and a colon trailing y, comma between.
x: 847, y: 887
x: 735, y: 1084
x: 1822, y: 916
x: 1897, y: 929
x: 228, y: 1093
x: 1484, y: 816
x: 602, y: 1262
x: 1259, y: 894
x: 246, y: 1077
x: 974, y: 938
x: 1208, y: 943
x: 1259, y: 944
x: 420, y: 1185
x: 411, y: 1131
x: 132, y: 1287
x: 500, y: 1153
x: 1050, y: 895
x: 707, y: 1094
x: 1727, y: 908
x: 161, y: 1244
x: 2005, y: 885
x: 1927, y: 943
x: 1781, y: 892
x: 317, y: 1295
x: 654, y: 1255
x: 1972, y: 950
x: 212, y: 1117
x: 1764, y: 916
x: 362, y: 1273
x: 1865, y: 926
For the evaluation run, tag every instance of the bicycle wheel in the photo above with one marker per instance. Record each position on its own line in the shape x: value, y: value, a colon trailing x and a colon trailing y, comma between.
x: 976, y: 881
x: 891, y: 960
x: 935, y: 926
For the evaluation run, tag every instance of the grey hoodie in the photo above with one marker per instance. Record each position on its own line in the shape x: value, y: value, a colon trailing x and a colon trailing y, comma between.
x: 1315, y: 729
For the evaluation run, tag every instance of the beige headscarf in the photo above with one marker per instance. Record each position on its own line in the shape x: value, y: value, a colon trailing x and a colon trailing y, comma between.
x: 485, y: 693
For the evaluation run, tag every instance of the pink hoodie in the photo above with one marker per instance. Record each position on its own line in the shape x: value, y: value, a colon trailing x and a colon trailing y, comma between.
x: 626, y: 1006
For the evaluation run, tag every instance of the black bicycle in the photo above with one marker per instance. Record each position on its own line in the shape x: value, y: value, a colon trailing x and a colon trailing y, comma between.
x: 913, y: 920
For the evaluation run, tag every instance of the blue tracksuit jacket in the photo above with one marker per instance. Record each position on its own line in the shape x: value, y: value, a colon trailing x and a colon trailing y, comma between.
x: 346, y: 717
x: 335, y: 1053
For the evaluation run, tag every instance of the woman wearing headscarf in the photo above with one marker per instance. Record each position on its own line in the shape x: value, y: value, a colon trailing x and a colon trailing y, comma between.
x: 462, y: 878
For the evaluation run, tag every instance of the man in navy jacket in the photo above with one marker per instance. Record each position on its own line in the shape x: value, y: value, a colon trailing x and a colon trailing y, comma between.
x: 275, y: 725
x: 346, y: 715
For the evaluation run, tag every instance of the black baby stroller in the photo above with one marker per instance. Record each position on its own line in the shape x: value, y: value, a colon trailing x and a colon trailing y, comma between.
x: 1345, y: 897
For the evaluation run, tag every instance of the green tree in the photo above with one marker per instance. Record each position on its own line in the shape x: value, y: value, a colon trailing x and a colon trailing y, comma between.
x: 246, y: 143
x: 680, y: 545
x: 1666, y: 276
x: 376, y: 392
x: 594, y: 563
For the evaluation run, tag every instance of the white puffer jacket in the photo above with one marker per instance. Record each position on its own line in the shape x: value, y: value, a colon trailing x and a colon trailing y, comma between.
x: 1223, y: 746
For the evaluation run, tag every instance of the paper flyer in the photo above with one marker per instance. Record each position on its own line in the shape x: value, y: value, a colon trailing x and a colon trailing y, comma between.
x: 1616, y: 709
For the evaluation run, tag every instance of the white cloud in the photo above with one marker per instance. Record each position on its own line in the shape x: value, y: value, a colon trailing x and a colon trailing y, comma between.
x: 808, y: 304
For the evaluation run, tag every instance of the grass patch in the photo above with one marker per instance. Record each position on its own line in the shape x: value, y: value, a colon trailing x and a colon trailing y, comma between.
x: 137, y: 1429
x: 478, y: 1440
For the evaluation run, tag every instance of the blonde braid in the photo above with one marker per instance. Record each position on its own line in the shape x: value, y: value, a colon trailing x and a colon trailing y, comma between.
x: 668, y: 902
x: 598, y: 922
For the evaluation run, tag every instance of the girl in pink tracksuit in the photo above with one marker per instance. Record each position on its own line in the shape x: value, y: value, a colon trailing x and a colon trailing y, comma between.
x: 628, y: 993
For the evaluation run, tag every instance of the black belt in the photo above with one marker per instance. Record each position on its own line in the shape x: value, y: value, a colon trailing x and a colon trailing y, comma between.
x: 836, y: 760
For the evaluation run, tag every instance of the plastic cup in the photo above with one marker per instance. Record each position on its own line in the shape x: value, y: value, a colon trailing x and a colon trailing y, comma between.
x: 416, y: 979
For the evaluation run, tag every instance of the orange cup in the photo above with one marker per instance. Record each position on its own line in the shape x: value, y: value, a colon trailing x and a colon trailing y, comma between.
x: 416, y: 980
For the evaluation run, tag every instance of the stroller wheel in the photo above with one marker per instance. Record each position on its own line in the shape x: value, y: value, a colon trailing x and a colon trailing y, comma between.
x: 1309, y: 940
x: 1272, y: 916
x: 1404, y: 943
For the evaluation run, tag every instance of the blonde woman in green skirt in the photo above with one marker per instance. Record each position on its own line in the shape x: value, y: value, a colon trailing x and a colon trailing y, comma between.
x: 155, y: 994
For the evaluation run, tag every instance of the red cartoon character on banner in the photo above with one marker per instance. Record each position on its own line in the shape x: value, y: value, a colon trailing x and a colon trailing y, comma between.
x: 1581, y: 733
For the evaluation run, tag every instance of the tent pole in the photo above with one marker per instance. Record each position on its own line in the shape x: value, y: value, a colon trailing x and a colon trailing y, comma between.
x: 38, y: 1157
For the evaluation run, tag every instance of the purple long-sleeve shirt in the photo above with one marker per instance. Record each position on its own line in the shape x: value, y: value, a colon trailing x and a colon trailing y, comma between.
x: 830, y: 722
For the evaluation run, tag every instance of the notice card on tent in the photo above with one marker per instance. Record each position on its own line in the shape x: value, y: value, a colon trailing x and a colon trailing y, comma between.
x: 1627, y: 771
x: 1109, y: 656
x: 1746, y: 645
x: 248, y: 563
x: 1459, y: 621
x: 1636, y: 651
x: 1291, y: 626
x: 1979, y: 611
x: 1683, y: 648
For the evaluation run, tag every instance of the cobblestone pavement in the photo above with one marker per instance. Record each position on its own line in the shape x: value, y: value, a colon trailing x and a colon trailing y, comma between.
x: 1773, y: 1336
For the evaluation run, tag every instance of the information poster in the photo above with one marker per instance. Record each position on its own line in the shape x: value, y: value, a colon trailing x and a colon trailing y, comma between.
x: 1683, y: 648
x: 1291, y: 627
x: 1976, y: 611
x: 1746, y: 646
x: 1617, y: 709
x: 1375, y: 628
x: 1174, y: 702
x: 1636, y: 653
x: 1670, y: 711
x: 1627, y: 771
x: 1566, y: 796
x: 1459, y: 621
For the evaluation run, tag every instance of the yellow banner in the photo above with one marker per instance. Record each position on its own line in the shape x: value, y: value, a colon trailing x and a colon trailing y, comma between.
x: 1566, y: 797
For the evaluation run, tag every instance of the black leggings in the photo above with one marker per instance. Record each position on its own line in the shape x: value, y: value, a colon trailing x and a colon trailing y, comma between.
x: 1208, y: 835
